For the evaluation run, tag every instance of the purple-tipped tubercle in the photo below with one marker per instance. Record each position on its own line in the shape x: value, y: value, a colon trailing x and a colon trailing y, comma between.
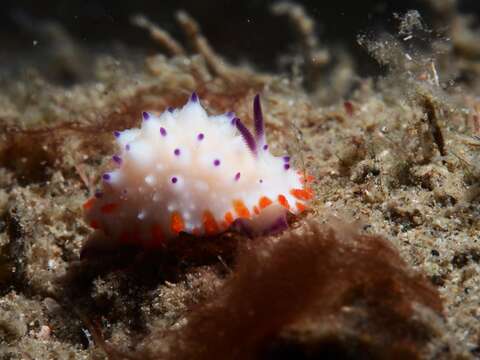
x: 176, y: 152
x: 237, y: 176
x: 286, y: 159
x: 194, y: 97
x: 117, y: 159
x: 247, y: 135
x: 200, y: 136
x: 286, y: 166
x: 106, y: 177
x: 174, y: 179
x: 170, y: 109
x: 116, y: 134
x: 163, y: 132
x: 216, y: 162
x: 145, y: 115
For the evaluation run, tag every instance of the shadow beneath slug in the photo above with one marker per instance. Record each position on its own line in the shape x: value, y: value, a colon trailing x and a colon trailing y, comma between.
x: 169, y: 262
x: 100, y: 254
x: 149, y: 267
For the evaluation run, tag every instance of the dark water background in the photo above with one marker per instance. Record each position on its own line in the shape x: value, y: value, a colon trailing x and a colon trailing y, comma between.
x: 237, y: 29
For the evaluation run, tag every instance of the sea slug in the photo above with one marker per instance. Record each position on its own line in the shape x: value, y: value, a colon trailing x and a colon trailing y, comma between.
x: 186, y: 171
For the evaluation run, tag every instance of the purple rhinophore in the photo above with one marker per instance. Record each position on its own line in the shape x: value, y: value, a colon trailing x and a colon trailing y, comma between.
x: 194, y: 97
x: 247, y: 135
x: 216, y: 162
x: 116, y: 134
x: 265, y: 147
x: 117, y: 159
x: 98, y: 194
x: 145, y: 115
x: 234, y: 121
x: 286, y: 159
x: 176, y: 152
x: 174, y: 179
x: 200, y: 136
x: 170, y: 109
x: 258, y: 119
x: 237, y: 176
x: 106, y: 177
x: 127, y: 147
x: 230, y: 114
x: 163, y: 132
x: 286, y: 166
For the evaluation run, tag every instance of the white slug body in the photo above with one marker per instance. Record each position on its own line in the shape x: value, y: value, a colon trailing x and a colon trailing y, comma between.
x: 186, y: 171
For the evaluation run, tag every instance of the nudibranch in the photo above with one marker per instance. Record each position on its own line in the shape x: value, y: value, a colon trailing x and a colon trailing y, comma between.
x: 186, y: 171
